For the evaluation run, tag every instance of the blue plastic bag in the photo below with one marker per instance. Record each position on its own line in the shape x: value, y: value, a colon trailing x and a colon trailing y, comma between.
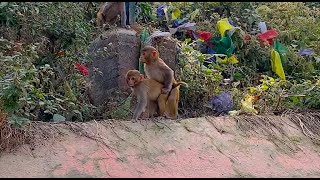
x: 222, y: 102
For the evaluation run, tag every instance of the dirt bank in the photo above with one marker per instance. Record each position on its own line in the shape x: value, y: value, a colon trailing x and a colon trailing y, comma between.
x: 199, y: 147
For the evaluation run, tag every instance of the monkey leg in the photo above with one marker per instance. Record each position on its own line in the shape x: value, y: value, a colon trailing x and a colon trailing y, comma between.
x: 172, y: 104
x: 162, y: 99
x: 152, y: 108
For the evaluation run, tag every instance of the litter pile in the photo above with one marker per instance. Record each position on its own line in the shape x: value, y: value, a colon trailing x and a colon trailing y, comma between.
x: 220, y: 49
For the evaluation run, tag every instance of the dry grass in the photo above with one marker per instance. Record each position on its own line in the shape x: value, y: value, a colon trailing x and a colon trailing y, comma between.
x: 270, y: 126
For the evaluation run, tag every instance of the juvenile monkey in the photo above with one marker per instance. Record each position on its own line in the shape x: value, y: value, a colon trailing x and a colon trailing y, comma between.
x: 109, y: 12
x: 148, y: 92
x: 155, y: 68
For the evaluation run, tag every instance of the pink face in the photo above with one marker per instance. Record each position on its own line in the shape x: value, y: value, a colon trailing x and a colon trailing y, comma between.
x: 148, y: 55
x: 134, y: 79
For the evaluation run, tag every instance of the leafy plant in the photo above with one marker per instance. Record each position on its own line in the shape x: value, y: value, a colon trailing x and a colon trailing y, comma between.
x: 203, y: 82
x: 17, y: 121
x: 145, y: 12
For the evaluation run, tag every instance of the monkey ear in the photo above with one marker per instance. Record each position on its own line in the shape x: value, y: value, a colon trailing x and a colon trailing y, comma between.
x: 141, y: 77
x: 154, y: 53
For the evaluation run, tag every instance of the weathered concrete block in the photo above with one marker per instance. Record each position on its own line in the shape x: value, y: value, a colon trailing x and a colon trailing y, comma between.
x: 113, y: 53
x: 168, y: 52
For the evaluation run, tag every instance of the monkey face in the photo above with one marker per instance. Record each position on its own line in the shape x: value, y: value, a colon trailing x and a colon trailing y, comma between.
x: 149, y: 56
x: 145, y: 57
x: 133, y: 78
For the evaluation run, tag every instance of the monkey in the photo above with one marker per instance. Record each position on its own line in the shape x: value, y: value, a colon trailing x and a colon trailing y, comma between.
x: 148, y: 93
x: 171, y: 108
x: 109, y: 12
x: 155, y: 68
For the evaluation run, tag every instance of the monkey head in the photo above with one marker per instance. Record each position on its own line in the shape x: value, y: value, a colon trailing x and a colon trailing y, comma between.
x: 134, y: 78
x: 149, y: 54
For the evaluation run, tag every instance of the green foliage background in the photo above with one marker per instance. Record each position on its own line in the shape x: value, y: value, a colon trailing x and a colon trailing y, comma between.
x: 40, y: 43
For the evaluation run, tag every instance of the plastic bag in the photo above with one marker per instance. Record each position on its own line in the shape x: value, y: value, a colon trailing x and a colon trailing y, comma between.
x: 277, y: 64
x: 221, y: 102
x: 223, y: 45
x: 158, y: 34
x: 268, y: 36
x: 160, y: 11
x: 280, y: 48
x: 262, y: 26
x: 187, y: 26
x: 231, y: 22
x: 306, y: 52
x: 223, y: 25
x: 247, y: 105
x: 204, y: 35
x: 176, y: 13
x: 144, y: 37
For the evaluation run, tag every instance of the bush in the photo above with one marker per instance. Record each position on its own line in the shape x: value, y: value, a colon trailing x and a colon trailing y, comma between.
x: 40, y: 81
x: 203, y: 82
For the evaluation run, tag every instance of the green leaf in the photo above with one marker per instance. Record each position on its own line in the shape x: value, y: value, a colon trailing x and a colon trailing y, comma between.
x: 3, y: 4
x: 18, y: 121
x: 295, y: 99
x: 252, y: 89
x: 264, y: 87
x: 58, y: 118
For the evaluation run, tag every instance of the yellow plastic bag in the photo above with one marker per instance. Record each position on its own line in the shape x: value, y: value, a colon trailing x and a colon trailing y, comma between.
x: 223, y: 25
x: 247, y: 105
x: 175, y: 14
x: 276, y: 64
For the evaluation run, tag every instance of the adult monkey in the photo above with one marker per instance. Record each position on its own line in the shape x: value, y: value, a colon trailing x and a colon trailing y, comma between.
x: 109, y: 12
x: 155, y: 68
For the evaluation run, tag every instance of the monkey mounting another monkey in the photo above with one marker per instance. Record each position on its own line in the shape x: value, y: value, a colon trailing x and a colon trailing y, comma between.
x: 148, y: 93
x: 155, y: 68
x: 109, y: 12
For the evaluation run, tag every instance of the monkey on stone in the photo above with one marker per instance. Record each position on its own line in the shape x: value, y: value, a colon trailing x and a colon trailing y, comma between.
x: 109, y: 12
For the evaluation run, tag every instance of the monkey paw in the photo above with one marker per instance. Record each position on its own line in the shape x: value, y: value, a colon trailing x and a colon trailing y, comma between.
x: 165, y: 90
x: 133, y: 120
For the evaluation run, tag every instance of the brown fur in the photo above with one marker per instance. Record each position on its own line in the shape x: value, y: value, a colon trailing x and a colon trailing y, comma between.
x: 155, y: 68
x: 148, y: 92
x: 109, y: 12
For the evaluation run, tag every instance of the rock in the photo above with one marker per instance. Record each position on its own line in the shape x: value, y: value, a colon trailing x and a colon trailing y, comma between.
x: 168, y: 51
x: 113, y: 53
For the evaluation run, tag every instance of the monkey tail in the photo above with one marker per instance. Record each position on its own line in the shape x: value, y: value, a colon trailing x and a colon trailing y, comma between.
x: 181, y: 83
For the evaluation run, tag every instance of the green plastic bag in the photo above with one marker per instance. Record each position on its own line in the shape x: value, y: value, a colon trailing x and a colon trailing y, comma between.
x: 223, y: 45
x: 144, y: 36
x: 282, y: 50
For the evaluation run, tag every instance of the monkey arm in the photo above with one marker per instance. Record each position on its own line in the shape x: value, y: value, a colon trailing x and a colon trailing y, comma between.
x: 168, y: 79
x: 141, y: 105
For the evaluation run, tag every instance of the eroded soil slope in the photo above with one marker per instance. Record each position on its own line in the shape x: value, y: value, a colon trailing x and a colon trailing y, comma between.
x: 199, y: 147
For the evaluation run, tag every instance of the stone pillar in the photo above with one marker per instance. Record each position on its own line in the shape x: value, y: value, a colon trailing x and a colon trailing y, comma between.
x: 168, y: 52
x: 113, y: 53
